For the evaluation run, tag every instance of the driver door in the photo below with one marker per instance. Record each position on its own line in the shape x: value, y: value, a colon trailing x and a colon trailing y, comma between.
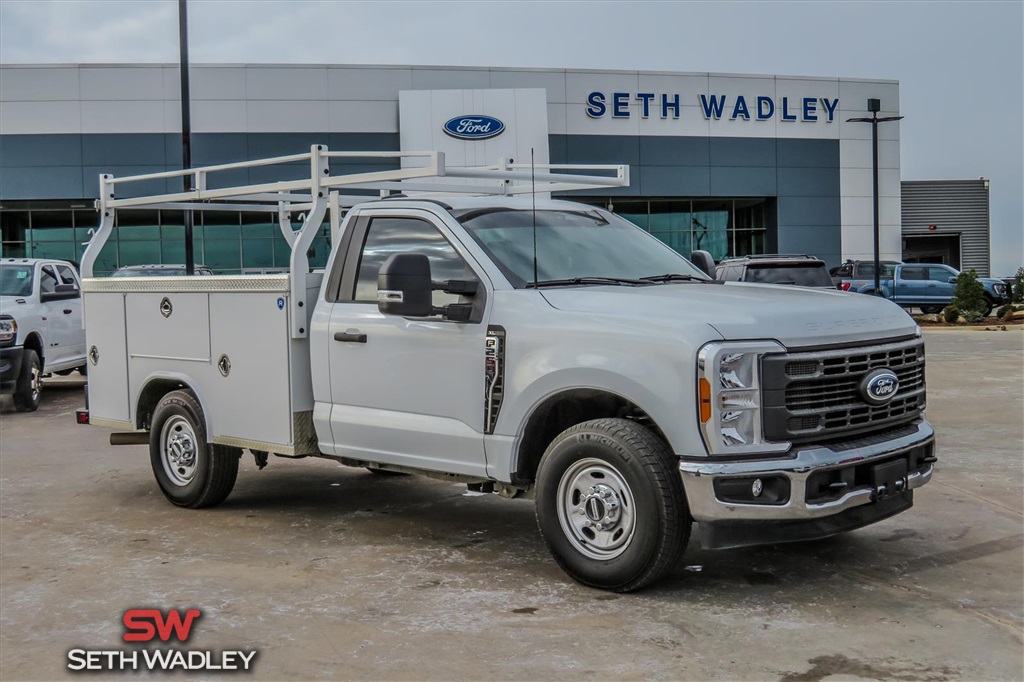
x: 406, y: 391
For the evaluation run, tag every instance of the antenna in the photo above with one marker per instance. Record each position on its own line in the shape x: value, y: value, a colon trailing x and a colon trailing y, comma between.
x: 533, y: 193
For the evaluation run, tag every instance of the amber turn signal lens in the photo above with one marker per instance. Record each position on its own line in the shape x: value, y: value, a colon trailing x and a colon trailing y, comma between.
x: 704, y: 394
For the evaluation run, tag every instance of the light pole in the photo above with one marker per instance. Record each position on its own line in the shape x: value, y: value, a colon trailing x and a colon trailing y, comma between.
x: 874, y: 106
x: 186, y: 130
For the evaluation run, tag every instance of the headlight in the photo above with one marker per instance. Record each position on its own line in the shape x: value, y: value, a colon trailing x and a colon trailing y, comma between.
x: 729, y: 396
x: 999, y: 289
x: 8, y: 329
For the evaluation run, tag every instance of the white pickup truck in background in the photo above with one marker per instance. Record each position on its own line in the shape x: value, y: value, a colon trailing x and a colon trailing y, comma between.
x: 524, y: 346
x: 40, y: 326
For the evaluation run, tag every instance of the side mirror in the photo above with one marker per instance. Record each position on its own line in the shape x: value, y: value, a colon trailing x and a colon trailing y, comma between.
x: 60, y: 292
x: 404, y: 286
x: 704, y: 261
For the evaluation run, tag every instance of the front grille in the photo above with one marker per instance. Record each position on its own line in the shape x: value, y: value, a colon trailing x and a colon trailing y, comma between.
x: 816, y: 395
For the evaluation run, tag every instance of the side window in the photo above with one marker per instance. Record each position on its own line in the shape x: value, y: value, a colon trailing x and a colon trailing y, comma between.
x: 47, y: 280
x: 387, y: 236
x: 914, y: 273
x: 732, y: 274
x: 940, y: 274
x: 67, y: 275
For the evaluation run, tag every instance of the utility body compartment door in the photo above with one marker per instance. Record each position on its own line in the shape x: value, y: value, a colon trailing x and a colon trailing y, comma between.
x: 405, y: 391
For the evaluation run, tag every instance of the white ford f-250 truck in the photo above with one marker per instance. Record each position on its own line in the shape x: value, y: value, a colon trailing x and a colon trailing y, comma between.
x: 521, y: 345
x: 40, y: 326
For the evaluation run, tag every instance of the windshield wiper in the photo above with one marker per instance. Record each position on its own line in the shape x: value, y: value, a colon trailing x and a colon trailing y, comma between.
x: 675, y: 277
x: 582, y: 280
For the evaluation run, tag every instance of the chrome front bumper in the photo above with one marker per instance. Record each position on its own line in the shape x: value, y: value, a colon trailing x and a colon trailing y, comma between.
x: 699, y: 477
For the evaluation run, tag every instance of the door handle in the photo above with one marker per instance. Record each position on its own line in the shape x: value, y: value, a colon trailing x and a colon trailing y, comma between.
x: 354, y: 337
x: 67, y: 311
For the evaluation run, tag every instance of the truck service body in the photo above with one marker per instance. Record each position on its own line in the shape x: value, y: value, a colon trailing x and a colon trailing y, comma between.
x: 522, y: 345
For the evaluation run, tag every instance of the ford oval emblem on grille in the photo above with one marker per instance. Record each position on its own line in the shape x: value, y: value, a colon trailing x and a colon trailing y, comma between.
x: 475, y: 127
x: 879, y: 387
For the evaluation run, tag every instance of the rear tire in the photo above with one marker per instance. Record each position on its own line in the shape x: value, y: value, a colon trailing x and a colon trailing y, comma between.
x: 29, y: 387
x: 190, y: 472
x: 611, y: 505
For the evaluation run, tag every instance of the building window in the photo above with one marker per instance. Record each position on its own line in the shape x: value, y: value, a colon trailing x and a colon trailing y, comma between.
x: 723, y: 227
x: 229, y: 242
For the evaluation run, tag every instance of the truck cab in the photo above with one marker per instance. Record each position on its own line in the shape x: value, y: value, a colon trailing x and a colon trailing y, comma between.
x: 41, y: 327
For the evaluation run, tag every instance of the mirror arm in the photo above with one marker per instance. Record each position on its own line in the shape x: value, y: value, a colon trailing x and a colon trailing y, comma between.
x: 454, y: 312
x: 461, y: 287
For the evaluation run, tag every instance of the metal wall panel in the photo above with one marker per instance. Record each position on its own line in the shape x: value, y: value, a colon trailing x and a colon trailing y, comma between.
x: 954, y: 207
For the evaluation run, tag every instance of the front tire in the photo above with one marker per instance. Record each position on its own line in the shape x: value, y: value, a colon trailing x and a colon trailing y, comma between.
x: 190, y: 472
x: 29, y: 387
x: 989, y: 305
x: 931, y: 309
x: 611, y: 505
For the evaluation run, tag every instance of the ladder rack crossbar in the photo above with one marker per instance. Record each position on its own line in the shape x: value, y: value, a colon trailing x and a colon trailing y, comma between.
x: 316, y: 196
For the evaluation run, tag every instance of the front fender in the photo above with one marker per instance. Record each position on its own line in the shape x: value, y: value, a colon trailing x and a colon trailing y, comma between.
x: 664, y: 390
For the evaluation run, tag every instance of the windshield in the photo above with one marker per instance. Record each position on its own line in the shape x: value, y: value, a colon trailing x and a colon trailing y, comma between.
x: 15, y: 280
x: 799, y: 274
x: 571, y: 244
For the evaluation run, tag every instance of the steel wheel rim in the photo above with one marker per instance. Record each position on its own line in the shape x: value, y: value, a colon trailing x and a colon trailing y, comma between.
x: 37, y: 384
x: 178, y: 450
x: 596, y: 509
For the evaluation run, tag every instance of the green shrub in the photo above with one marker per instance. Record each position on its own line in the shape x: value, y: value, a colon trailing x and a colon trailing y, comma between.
x: 1018, y: 287
x: 970, y: 294
x: 974, y: 316
x: 951, y: 314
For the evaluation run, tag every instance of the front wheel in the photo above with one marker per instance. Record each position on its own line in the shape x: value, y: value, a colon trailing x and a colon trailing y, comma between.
x: 989, y: 305
x: 29, y: 386
x: 190, y: 472
x: 931, y: 309
x: 611, y: 505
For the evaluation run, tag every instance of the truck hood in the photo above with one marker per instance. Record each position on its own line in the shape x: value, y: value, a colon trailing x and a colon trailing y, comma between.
x: 794, y: 316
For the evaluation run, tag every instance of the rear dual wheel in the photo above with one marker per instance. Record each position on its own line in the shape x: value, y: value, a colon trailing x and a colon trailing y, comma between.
x: 611, y: 505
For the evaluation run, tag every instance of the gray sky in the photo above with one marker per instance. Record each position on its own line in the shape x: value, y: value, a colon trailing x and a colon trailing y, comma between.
x: 959, y: 63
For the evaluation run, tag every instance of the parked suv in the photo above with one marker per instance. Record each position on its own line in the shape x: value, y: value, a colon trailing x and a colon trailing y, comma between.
x: 802, y: 270
x: 40, y: 326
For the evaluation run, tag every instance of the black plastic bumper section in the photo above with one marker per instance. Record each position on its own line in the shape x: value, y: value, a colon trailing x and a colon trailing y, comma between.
x: 10, y: 368
x: 727, y: 534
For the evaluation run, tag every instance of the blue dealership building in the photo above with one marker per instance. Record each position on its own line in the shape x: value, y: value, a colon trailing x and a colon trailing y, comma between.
x: 734, y: 164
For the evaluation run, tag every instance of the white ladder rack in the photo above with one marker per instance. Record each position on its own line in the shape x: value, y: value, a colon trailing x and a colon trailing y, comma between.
x: 319, y: 194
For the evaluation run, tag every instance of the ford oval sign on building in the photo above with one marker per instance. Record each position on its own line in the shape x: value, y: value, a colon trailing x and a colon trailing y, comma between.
x: 476, y: 127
